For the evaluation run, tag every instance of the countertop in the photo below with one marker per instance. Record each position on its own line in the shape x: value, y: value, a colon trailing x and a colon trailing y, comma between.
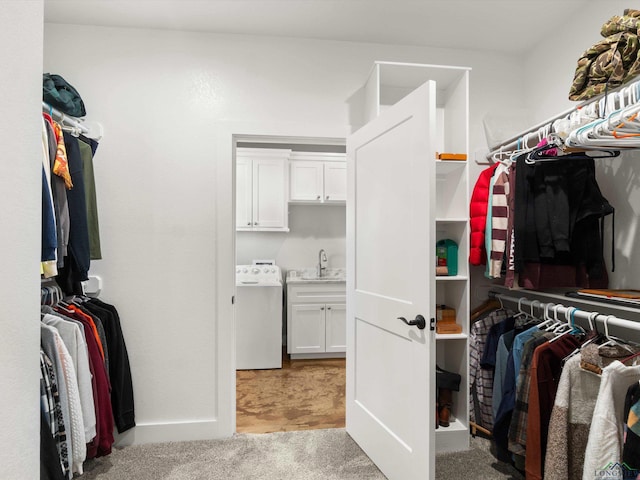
x: 310, y: 276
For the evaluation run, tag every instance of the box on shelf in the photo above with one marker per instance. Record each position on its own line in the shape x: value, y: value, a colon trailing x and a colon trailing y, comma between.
x: 447, y: 257
x: 452, y: 156
x: 446, y: 320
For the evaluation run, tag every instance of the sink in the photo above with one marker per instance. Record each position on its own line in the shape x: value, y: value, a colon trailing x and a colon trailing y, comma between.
x: 311, y: 275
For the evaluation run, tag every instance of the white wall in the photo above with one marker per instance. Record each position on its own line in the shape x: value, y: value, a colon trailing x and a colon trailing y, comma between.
x: 312, y: 227
x: 21, y: 185
x: 161, y: 96
x: 549, y: 73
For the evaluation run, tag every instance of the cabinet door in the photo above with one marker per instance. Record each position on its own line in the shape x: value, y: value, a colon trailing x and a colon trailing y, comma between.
x: 335, y: 182
x: 336, y: 327
x: 307, y: 328
x: 244, y: 219
x: 306, y: 181
x: 269, y: 194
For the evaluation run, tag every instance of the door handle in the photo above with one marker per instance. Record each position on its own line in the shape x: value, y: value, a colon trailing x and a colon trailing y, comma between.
x: 419, y: 322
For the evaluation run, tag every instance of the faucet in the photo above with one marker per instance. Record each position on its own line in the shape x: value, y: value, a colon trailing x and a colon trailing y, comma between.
x: 322, y: 257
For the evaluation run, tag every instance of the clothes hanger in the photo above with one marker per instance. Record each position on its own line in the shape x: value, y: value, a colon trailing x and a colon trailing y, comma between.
x: 547, y: 320
x: 611, y: 340
x: 631, y: 357
x: 570, y: 326
x: 561, y: 326
x: 532, y: 318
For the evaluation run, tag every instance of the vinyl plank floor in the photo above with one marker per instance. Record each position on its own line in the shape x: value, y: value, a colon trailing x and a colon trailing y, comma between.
x: 303, y: 395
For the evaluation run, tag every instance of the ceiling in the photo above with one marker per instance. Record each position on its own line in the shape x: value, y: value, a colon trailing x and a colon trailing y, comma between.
x: 497, y: 25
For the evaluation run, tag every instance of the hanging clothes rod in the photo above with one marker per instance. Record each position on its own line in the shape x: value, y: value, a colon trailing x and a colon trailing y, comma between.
x: 523, y: 139
x: 525, y: 305
x: 63, y: 118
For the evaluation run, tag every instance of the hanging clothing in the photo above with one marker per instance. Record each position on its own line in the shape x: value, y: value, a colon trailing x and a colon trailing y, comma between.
x: 518, y: 427
x: 606, y: 434
x: 103, y: 441
x: 631, y: 449
x: 572, y: 412
x: 76, y: 345
x: 558, y: 223
x: 53, y: 410
x: 48, y: 344
x: 505, y: 344
x: 59, y: 192
x: 546, y: 366
x: 481, y: 380
x: 509, y: 278
x: 499, y: 220
x: 119, y: 367
x: 478, y: 217
x: 86, y: 153
x: 77, y: 267
x: 50, y: 468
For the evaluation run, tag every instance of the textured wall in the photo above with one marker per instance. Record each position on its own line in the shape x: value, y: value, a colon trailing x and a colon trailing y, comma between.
x: 20, y: 127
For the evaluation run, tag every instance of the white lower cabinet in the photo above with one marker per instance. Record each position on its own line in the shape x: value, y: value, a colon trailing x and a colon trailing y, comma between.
x: 316, y: 321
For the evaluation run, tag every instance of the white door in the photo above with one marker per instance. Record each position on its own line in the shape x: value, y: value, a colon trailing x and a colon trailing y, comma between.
x: 335, y: 181
x: 269, y: 193
x: 390, y: 258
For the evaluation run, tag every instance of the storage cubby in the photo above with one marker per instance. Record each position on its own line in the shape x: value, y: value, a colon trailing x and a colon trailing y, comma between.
x: 456, y: 230
x: 390, y: 82
x: 451, y: 190
x: 455, y: 294
x: 452, y: 355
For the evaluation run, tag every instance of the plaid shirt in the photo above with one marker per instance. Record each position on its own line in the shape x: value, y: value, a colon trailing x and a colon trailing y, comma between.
x: 53, y: 409
x: 518, y: 427
x: 481, y: 380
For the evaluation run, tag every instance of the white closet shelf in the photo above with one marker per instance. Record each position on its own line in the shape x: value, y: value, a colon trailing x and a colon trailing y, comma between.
x: 451, y: 336
x: 452, y: 220
x: 448, y: 166
x: 455, y: 426
x: 451, y: 278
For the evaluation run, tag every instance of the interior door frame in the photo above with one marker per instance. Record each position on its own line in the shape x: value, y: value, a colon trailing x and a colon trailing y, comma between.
x: 227, y: 135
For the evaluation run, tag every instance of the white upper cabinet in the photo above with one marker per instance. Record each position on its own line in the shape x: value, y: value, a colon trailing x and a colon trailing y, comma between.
x: 335, y: 182
x: 318, y: 177
x: 261, y: 189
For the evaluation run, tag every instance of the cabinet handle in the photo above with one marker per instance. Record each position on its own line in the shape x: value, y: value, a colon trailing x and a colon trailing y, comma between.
x: 255, y: 223
x: 318, y: 197
x: 249, y: 223
x: 327, y: 197
x: 321, y: 308
x: 328, y: 308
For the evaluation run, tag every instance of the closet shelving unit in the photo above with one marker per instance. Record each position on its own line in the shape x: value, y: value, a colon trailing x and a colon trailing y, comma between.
x: 389, y: 82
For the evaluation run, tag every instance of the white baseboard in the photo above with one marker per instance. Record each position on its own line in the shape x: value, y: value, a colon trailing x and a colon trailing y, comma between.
x: 171, y: 432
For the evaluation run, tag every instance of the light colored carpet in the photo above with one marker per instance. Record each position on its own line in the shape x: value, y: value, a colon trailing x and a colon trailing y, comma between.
x: 304, y: 455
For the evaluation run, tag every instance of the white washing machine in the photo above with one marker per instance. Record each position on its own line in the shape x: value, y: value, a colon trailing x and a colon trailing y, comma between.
x: 258, y: 317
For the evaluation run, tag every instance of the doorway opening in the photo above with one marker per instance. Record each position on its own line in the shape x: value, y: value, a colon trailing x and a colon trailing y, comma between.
x: 279, y: 236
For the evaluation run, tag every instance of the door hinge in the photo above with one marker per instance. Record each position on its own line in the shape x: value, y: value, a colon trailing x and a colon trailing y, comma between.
x: 233, y: 299
x: 432, y: 324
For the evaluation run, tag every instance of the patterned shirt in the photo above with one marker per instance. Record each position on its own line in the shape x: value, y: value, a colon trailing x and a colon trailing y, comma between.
x: 518, y: 427
x: 55, y: 416
x: 481, y: 380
